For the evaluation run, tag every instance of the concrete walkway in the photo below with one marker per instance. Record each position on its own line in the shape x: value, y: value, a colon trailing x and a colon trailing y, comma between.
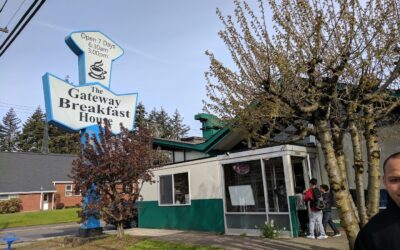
x: 228, y: 242
x: 241, y: 242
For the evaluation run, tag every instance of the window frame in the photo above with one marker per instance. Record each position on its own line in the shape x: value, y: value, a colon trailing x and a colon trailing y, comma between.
x: 68, y: 193
x: 173, y: 190
x: 7, y: 197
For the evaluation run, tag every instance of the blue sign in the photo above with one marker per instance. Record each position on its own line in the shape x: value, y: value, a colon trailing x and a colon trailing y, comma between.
x: 78, y: 107
x: 82, y: 107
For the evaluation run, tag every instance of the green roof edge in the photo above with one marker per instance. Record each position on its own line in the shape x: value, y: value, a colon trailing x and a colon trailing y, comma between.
x: 204, y: 147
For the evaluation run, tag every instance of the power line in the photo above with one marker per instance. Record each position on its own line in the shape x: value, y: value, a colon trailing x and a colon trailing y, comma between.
x: 17, y: 111
x: 15, y: 13
x: 24, y: 23
x: 3, y: 6
x: 13, y: 104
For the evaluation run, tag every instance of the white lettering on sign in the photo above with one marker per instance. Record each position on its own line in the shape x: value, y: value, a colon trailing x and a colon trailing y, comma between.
x: 97, y: 52
x: 77, y: 107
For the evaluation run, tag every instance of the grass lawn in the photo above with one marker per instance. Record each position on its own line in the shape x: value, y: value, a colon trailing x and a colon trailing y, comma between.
x: 38, y: 218
x: 111, y: 242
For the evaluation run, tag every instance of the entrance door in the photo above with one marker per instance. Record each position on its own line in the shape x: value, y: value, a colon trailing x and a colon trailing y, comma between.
x: 277, y: 198
x: 298, y: 170
x: 45, y: 201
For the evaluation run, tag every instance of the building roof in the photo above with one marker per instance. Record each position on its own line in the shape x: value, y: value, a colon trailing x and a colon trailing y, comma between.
x: 205, y: 147
x: 33, y: 172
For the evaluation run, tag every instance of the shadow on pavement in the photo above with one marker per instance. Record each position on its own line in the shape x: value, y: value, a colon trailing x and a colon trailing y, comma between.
x: 241, y: 242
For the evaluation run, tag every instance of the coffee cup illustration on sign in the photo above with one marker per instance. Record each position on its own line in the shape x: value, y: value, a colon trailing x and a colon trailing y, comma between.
x: 96, y: 70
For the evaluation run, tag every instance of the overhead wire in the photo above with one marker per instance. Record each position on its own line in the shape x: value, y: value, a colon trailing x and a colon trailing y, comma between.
x: 13, y: 104
x: 12, y: 18
x: 2, y: 7
x: 24, y: 23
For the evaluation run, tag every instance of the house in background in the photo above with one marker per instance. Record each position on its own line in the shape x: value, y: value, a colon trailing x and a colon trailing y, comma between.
x: 40, y: 181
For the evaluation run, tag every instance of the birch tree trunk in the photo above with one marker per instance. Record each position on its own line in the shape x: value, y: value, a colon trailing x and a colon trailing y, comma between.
x: 340, y: 158
x: 348, y: 217
x: 358, y: 172
x: 374, y: 173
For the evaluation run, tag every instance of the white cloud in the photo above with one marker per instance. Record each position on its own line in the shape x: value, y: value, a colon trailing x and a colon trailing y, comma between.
x: 124, y: 46
x: 144, y: 54
x: 53, y: 27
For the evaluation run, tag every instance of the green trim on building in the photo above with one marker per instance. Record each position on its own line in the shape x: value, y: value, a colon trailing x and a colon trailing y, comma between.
x: 210, y: 124
x: 202, y: 215
x: 204, y: 147
x: 293, y: 216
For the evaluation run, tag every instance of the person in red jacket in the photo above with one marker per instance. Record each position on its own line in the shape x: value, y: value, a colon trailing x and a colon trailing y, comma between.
x: 315, y: 215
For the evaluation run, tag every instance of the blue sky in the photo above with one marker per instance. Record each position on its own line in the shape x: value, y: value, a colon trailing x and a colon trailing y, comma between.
x: 164, y: 43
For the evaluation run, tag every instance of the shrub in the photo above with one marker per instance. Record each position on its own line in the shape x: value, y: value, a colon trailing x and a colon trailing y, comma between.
x: 74, y: 206
x: 59, y: 205
x: 269, y: 230
x: 10, y: 206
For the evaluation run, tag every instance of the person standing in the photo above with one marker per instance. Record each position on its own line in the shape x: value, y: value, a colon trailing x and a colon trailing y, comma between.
x: 383, y: 230
x: 312, y: 195
x: 301, y: 208
x: 327, y: 211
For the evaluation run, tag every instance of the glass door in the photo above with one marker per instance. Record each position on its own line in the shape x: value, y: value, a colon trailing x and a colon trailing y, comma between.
x: 298, y: 169
x: 277, y: 199
x: 244, y: 197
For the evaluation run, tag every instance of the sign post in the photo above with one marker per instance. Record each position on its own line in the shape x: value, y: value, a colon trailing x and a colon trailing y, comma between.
x: 81, y: 107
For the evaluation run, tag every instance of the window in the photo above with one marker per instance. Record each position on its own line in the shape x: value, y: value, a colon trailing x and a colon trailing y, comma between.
x: 68, y: 190
x: 4, y: 197
x: 244, y: 191
x: 174, y: 189
x: 276, y: 187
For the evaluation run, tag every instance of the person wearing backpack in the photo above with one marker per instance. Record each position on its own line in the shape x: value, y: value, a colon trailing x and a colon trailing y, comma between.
x: 327, y: 211
x: 314, y: 196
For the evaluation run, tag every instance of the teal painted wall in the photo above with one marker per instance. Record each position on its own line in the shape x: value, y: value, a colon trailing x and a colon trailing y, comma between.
x: 201, y: 215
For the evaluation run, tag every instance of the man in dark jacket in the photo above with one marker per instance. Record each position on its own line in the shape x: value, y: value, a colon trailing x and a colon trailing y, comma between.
x: 383, y: 230
x: 327, y: 211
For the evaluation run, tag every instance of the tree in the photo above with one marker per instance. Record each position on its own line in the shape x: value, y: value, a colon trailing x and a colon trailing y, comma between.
x: 164, y: 126
x: 118, y: 166
x: 160, y: 123
x: 9, y: 132
x: 179, y: 129
x: 30, y: 140
x: 330, y: 68
x: 141, y: 116
x: 63, y: 142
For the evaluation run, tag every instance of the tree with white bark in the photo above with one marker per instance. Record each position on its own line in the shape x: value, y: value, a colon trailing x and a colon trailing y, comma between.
x: 324, y: 68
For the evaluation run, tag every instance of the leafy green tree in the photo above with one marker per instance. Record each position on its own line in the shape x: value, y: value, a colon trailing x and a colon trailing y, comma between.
x: 164, y: 126
x: 141, y: 116
x: 63, y: 142
x: 178, y: 128
x: 31, y: 137
x: 2, y: 135
x: 160, y: 123
x: 10, y: 132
